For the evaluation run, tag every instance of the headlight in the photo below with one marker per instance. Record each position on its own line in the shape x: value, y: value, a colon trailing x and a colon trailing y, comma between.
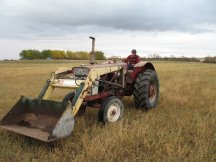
x: 80, y: 71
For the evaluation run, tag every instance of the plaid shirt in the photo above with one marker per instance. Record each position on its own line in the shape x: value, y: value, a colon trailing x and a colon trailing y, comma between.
x: 133, y: 59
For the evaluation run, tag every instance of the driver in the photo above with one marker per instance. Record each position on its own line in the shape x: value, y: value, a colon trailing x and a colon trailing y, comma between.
x: 132, y: 59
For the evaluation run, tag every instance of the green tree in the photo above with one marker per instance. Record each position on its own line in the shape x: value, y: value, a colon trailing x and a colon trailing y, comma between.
x: 77, y: 55
x: 46, y: 54
x: 83, y: 55
x: 99, y: 55
x: 72, y: 55
x: 58, y: 54
x: 30, y: 54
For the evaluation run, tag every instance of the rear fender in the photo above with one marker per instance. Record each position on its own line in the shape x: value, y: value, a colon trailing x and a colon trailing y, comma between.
x: 139, y: 67
x: 145, y: 65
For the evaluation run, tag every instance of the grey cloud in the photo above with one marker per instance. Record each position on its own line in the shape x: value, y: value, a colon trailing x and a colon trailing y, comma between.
x: 27, y: 18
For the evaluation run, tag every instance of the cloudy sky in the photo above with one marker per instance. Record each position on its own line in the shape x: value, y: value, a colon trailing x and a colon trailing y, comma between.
x: 168, y: 27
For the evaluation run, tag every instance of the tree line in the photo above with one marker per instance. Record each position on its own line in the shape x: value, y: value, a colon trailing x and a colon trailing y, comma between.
x: 157, y: 57
x: 31, y: 54
x: 170, y: 58
x: 210, y: 59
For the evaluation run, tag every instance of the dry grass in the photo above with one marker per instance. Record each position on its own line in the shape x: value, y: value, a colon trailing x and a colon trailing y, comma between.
x: 181, y: 128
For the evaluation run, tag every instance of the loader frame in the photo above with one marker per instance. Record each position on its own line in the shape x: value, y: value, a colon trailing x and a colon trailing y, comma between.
x: 56, y: 80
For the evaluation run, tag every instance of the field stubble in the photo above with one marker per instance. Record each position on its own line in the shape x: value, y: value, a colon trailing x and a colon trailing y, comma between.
x: 181, y: 128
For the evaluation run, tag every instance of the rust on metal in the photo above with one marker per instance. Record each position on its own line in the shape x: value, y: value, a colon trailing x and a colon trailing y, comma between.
x: 98, y: 96
x: 31, y: 132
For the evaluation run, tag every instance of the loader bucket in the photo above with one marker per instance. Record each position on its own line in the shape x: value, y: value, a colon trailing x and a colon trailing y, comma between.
x: 40, y: 119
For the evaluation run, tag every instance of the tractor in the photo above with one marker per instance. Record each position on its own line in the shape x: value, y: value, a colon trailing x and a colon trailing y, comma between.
x: 94, y: 85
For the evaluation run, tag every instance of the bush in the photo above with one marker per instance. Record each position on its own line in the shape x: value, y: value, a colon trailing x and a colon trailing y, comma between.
x: 210, y: 59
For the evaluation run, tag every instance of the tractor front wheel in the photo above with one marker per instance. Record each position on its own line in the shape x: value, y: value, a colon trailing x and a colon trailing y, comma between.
x: 111, y: 110
x: 146, y: 90
x: 69, y: 97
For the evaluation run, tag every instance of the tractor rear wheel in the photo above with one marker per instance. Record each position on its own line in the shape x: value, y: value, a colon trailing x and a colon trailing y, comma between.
x: 146, y: 90
x: 69, y: 97
x: 111, y: 110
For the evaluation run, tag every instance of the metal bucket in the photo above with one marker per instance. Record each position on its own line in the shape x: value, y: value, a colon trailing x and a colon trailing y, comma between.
x: 40, y: 119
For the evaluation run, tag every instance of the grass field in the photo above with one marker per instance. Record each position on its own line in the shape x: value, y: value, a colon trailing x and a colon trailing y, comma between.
x: 181, y: 128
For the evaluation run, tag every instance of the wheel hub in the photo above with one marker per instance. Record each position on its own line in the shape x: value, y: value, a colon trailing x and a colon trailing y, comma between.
x: 113, y: 113
x: 152, y: 92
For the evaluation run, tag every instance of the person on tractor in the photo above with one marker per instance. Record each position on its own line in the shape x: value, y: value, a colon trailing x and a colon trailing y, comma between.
x: 132, y: 59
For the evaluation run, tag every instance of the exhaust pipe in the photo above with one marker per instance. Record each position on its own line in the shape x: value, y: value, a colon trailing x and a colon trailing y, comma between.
x: 92, y: 53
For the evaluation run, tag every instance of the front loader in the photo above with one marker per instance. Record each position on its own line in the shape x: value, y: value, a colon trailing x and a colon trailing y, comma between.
x: 100, y: 86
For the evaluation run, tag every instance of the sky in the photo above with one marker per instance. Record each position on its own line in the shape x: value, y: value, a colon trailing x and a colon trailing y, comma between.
x: 169, y: 27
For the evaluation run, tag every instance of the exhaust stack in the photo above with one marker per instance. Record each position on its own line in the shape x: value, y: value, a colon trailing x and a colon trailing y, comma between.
x: 92, y: 53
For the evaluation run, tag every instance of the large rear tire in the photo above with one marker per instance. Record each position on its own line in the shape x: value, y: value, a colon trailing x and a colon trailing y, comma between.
x: 69, y: 97
x: 146, y: 90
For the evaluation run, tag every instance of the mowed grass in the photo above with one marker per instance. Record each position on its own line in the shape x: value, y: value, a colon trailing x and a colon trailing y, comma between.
x: 181, y: 128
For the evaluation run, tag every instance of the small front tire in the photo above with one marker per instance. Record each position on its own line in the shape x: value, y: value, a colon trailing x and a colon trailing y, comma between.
x: 111, y: 110
x: 69, y: 97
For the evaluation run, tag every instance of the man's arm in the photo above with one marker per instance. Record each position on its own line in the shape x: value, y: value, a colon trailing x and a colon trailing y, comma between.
x: 127, y: 59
